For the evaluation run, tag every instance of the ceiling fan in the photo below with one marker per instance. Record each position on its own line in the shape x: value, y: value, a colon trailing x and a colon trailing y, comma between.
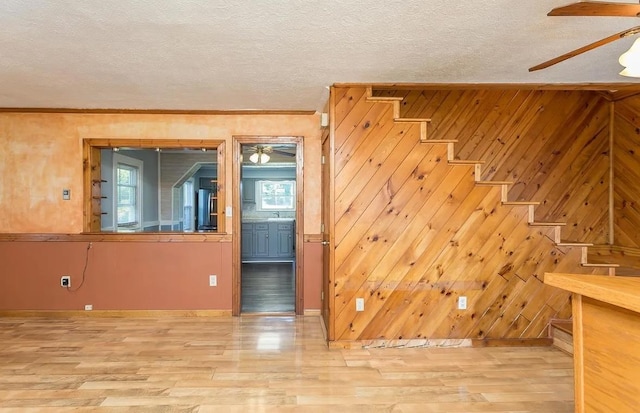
x: 596, y: 9
x: 260, y: 153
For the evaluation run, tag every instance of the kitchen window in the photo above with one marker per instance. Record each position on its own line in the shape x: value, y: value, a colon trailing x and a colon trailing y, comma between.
x: 276, y: 195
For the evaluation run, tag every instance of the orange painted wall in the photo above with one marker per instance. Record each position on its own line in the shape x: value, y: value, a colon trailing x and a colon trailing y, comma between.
x: 119, y: 276
x: 312, y: 275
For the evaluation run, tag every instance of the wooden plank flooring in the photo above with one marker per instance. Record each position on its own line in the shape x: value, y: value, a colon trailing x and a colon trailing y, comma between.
x: 259, y: 364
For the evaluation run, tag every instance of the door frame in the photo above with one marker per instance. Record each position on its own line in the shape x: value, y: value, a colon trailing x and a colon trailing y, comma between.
x: 328, y: 222
x: 236, y: 205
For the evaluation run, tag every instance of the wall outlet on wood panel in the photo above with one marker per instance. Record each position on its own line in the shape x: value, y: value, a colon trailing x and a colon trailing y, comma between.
x: 359, y: 304
x: 88, y: 307
x: 462, y: 302
x: 213, y: 281
x: 65, y: 281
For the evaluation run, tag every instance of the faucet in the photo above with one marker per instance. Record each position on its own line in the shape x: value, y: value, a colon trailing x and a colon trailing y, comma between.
x: 277, y: 213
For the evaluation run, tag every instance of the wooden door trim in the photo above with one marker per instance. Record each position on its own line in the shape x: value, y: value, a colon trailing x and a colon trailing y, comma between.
x: 236, y: 205
x: 329, y: 227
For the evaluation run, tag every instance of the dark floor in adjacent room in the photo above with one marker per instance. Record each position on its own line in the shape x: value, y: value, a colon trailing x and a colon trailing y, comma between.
x: 268, y: 287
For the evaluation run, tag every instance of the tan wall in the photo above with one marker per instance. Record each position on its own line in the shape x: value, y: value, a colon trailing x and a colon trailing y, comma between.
x: 413, y: 233
x: 41, y: 154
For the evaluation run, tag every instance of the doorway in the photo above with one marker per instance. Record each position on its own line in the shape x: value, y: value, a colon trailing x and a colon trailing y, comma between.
x: 268, y: 200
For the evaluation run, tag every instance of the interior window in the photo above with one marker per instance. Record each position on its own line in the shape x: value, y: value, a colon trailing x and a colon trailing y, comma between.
x: 147, y: 188
x: 276, y: 195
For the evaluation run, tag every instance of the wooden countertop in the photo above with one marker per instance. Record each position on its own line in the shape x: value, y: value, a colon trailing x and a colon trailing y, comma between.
x: 619, y: 291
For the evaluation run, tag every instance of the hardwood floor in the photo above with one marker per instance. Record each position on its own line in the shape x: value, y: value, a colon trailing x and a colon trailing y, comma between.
x: 259, y: 364
x: 268, y: 287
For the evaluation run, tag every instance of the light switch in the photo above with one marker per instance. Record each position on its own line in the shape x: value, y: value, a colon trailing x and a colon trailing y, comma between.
x: 66, y: 194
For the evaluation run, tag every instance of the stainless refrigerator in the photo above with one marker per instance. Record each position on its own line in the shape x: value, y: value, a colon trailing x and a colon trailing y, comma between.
x: 207, y: 211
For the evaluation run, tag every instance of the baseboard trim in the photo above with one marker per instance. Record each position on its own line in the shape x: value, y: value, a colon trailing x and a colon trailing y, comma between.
x: 411, y: 343
x: 115, y: 313
x: 513, y: 342
x: 312, y: 312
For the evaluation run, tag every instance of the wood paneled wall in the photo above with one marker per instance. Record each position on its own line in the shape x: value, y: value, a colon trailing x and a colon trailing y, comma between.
x: 412, y: 233
x: 627, y: 173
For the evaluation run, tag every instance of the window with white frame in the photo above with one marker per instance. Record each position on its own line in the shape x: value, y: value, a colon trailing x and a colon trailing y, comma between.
x: 128, y: 192
x: 276, y: 195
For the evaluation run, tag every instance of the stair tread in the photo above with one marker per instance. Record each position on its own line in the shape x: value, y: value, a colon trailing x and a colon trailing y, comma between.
x: 587, y: 264
x: 563, y: 325
x: 494, y: 183
x: 465, y: 162
x: 573, y: 244
x: 547, y: 224
x: 412, y: 120
x: 521, y: 203
x: 385, y: 98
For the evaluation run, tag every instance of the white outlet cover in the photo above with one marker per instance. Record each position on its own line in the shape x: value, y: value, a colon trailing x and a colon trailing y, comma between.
x: 462, y: 302
x: 213, y: 281
x: 359, y: 304
x: 88, y: 307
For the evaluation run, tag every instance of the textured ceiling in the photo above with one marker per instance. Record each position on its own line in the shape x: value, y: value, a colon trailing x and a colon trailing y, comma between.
x: 281, y: 54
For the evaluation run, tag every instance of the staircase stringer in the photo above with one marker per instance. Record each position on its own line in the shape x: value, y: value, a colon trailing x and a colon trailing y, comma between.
x: 504, y: 185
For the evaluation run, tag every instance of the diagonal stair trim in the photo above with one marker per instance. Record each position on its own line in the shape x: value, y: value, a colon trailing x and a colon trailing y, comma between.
x: 505, y: 185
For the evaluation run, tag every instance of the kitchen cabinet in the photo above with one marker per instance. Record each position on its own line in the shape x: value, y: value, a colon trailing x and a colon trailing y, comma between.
x: 268, y: 240
x: 247, y: 240
x: 284, y: 240
x: 249, y: 191
x: 261, y: 240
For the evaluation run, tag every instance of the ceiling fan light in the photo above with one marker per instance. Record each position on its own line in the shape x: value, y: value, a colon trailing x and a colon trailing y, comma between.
x: 631, y: 60
x: 254, y: 157
x: 264, y: 158
x: 631, y: 72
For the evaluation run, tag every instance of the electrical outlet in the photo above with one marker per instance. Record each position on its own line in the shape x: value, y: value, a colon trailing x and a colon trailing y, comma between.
x: 359, y: 304
x: 65, y: 281
x: 213, y: 281
x: 462, y: 302
x: 66, y: 194
x: 88, y: 307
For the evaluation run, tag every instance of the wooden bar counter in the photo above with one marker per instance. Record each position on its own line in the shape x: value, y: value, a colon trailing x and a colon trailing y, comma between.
x: 606, y: 341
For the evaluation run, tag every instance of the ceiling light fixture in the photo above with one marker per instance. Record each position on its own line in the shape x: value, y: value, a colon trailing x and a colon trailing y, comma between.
x: 259, y: 156
x: 631, y: 60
